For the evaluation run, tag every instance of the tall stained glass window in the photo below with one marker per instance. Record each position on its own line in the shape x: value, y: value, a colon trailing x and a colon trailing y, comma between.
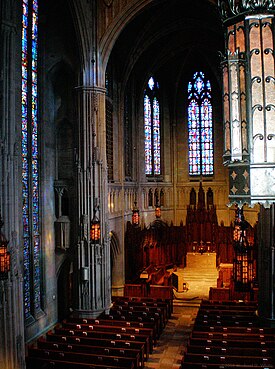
x: 200, y: 126
x: 30, y: 161
x: 152, y: 128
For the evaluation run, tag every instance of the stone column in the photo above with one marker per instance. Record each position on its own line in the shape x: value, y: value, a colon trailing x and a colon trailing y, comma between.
x: 266, y: 264
x: 12, y: 347
x: 93, y: 258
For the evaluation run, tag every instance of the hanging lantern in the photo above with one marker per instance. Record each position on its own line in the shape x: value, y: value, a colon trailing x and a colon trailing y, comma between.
x: 249, y: 110
x: 243, y: 259
x: 135, y: 215
x: 4, y: 255
x: 158, y: 211
x: 95, y: 229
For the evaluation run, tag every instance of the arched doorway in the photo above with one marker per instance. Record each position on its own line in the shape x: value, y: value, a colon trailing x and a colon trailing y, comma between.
x: 64, y: 290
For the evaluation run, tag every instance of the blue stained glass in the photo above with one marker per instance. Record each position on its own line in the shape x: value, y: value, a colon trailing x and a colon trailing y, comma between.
x: 156, y: 136
x: 148, y: 135
x: 30, y: 157
x: 200, y: 126
x: 152, y: 130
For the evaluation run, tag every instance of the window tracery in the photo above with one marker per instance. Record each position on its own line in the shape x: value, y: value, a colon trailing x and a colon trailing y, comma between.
x: 200, y: 126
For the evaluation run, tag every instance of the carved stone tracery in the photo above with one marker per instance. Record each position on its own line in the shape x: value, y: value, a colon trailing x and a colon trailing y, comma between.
x: 232, y: 8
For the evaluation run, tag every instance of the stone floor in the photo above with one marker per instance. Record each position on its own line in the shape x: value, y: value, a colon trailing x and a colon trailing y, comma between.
x: 199, y: 275
x: 170, y: 347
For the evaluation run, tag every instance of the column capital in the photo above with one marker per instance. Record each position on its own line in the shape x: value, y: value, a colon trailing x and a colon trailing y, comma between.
x: 232, y: 9
x: 94, y: 89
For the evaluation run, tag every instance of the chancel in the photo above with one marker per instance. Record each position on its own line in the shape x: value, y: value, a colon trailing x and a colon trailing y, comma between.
x: 137, y: 184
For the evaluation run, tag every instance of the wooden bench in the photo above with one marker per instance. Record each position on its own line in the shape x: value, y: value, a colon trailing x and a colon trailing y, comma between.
x: 98, y: 350
x: 143, y: 310
x: 227, y: 359
x: 129, y: 317
x: 230, y: 342
x: 34, y: 362
x: 116, y: 322
x: 114, y: 361
x: 187, y: 365
x: 226, y: 321
x: 133, y: 302
x: 109, y: 335
x: 234, y: 336
x: 233, y: 329
x: 235, y: 351
x: 90, y: 341
x: 111, y: 328
x: 138, y: 315
x: 168, y: 303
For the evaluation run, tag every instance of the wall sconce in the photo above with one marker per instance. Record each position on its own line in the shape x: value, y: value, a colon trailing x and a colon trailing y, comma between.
x: 4, y: 254
x: 135, y: 215
x: 158, y: 211
x: 243, y: 259
x: 95, y: 228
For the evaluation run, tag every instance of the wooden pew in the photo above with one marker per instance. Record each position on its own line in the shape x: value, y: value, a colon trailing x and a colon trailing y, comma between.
x: 141, y: 311
x: 227, y: 359
x: 232, y: 303
x: 117, y: 315
x: 35, y: 362
x: 116, y: 322
x: 229, y: 335
x: 159, y: 301
x: 111, y: 328
x: 235, y: 351
x: 145, y: 306
x: 138, y: 316
x: 90, y: 341
x: 234, y: 336
x: 98, y: 350
x: 187, y: 365
x: 144, y: 302
x: 233, y: 329
x: 230, y: 343
x: 227, y: 320
x: 114, y: 361
x: 109, y: 335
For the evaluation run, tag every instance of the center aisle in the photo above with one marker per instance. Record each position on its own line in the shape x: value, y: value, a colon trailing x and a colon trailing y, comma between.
x: 171, y: 345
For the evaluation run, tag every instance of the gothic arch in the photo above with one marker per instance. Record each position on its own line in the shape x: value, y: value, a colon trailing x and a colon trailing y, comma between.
x: 115, y: 249
x: 64, y: 288
x: 116, y: 27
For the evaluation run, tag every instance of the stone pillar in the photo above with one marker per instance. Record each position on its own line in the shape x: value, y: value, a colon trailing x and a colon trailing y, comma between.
x: 12, y: 347
x: 93, y: 259
x: 266, y: 263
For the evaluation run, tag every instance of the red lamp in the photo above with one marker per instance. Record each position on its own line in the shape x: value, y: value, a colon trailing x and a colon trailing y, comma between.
x: 95, y: 229
x: 135, y: 215
x: 4, y: 254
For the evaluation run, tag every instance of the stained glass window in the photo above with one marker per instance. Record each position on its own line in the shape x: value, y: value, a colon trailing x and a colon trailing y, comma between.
x: 200, y: 126
x: 152, y: 128
x: 30, y: 160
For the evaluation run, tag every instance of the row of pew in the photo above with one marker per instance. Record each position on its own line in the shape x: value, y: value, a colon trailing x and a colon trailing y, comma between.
x: 229, y: 335
x: 123, y: 337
